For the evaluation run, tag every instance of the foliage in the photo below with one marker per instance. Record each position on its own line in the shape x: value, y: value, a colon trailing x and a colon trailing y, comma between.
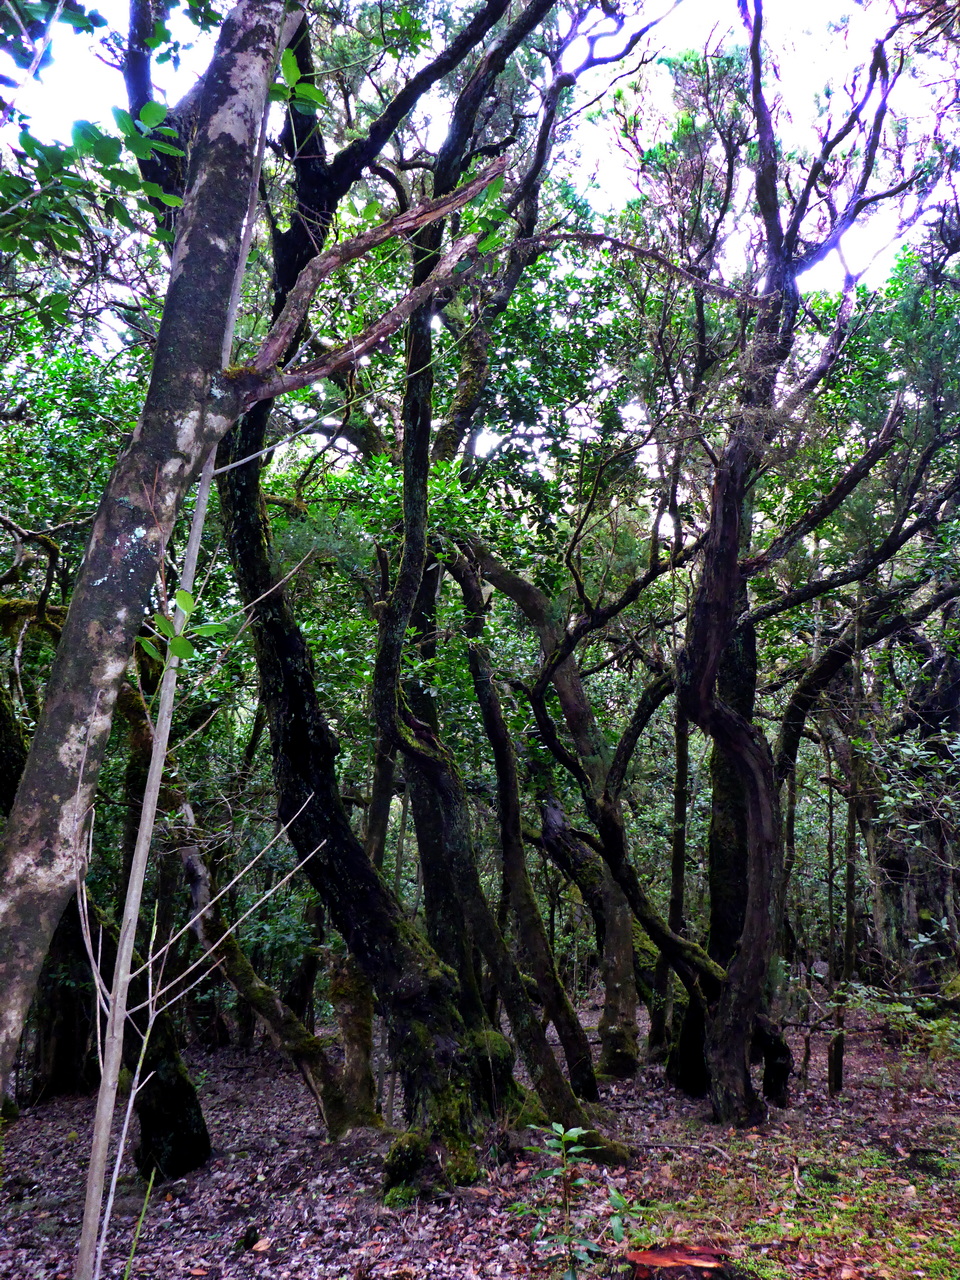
x: 564, y: 1244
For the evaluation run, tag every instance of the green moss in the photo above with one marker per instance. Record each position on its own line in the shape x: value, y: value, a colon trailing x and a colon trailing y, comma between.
x: 489, y: 1062
x: 461, y: 1167
x: 531, y: 1114
x: 401, y: 1196
x: 405, y: 1160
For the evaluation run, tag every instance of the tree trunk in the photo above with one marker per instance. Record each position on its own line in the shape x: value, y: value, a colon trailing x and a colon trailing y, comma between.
x: 286, y: 1030
x: 619, y: 1053
x: 415, y: 993
x: 45, y: 836
x: 548, y: 1081
x: 377, y: 821
x: 518, y: 889
x: 448, y: 931
x: 352, y: 999
x: 661, y: 1005
x: 730, y: 1018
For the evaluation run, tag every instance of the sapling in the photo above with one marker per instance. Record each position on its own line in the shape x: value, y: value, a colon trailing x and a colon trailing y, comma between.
x: 566, y: 1246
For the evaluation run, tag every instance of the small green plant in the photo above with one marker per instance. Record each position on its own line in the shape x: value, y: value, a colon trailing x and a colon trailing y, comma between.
x: 564, y: 1245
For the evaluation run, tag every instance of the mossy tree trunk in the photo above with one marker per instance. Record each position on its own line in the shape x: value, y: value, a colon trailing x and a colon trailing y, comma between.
x: 286, y: 1030
x: 661, y: 1009
x: 531, y: 931
x: 415, y: 992
x: 423, y: 754
x: 352, y: 998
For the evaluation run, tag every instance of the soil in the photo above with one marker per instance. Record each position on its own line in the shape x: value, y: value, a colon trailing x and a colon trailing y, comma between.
x: 857, y: 1187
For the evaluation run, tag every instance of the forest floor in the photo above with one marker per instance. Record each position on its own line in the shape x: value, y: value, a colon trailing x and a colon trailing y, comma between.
x: 864, y: 1186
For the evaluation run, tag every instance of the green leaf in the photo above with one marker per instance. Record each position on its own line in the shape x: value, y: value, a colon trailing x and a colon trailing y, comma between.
x: 140, y: 147
x: 309, y: 92
x: 152, y: 114
x: 494, y: 189
x: 209, y: 629
x: 288, y: 68
x: 278, y: 93
x: 165, y: 197
x: 185, y: 602
x: 125, y: 122
x: 119, y: 212
x: 167, y: 148
x: 125, y: 179
x: 107, y: 150
x: 150, y: 649
x: 181, y: 647
x: 163, y: 625
x: 85, y: 136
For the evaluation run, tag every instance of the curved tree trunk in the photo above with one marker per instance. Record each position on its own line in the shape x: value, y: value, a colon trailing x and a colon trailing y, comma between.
x: 416, y: 994
x: 286, y: 1030
x: 532, y: 934
x: 730, y: 1018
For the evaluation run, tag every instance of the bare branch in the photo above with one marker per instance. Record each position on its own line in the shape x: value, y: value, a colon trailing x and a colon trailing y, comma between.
x: 324, y: 264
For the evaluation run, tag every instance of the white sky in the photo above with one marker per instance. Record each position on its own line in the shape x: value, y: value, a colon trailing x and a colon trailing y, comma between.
x: 809, y: 49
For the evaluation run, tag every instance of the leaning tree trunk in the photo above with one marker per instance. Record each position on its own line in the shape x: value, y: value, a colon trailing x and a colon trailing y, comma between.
x: 416, y: 994
x: 46, y: 833
x: 519, y: 890
x: 447, y: 928
x: 423, y: 753
x: 286, y: 1030
x: 661, y: 1005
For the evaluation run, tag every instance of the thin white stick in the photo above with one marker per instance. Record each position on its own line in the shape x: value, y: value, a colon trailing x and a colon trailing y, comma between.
x: 237, y: 923
x: 239, y: 876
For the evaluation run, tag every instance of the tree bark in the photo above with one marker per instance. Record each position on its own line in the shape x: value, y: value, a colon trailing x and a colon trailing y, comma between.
x: 45, y: 837
x: 416, y: 994
x: 519, y: 890
x: 661, y: 1008
x: 287, y: 1031
x: 730, y: 1018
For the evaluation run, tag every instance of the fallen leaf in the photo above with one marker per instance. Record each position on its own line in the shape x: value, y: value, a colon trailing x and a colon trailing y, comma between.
x: 679, y: 1256
x: 262, y: 1245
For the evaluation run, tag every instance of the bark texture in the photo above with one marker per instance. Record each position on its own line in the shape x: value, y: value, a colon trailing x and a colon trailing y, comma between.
x: 185, y: 413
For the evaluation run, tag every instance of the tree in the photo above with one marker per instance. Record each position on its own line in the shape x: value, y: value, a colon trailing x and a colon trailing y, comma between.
x: 685, y: 454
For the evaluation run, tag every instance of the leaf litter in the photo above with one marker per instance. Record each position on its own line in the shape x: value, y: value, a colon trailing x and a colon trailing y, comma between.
x: 863, y: 1186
